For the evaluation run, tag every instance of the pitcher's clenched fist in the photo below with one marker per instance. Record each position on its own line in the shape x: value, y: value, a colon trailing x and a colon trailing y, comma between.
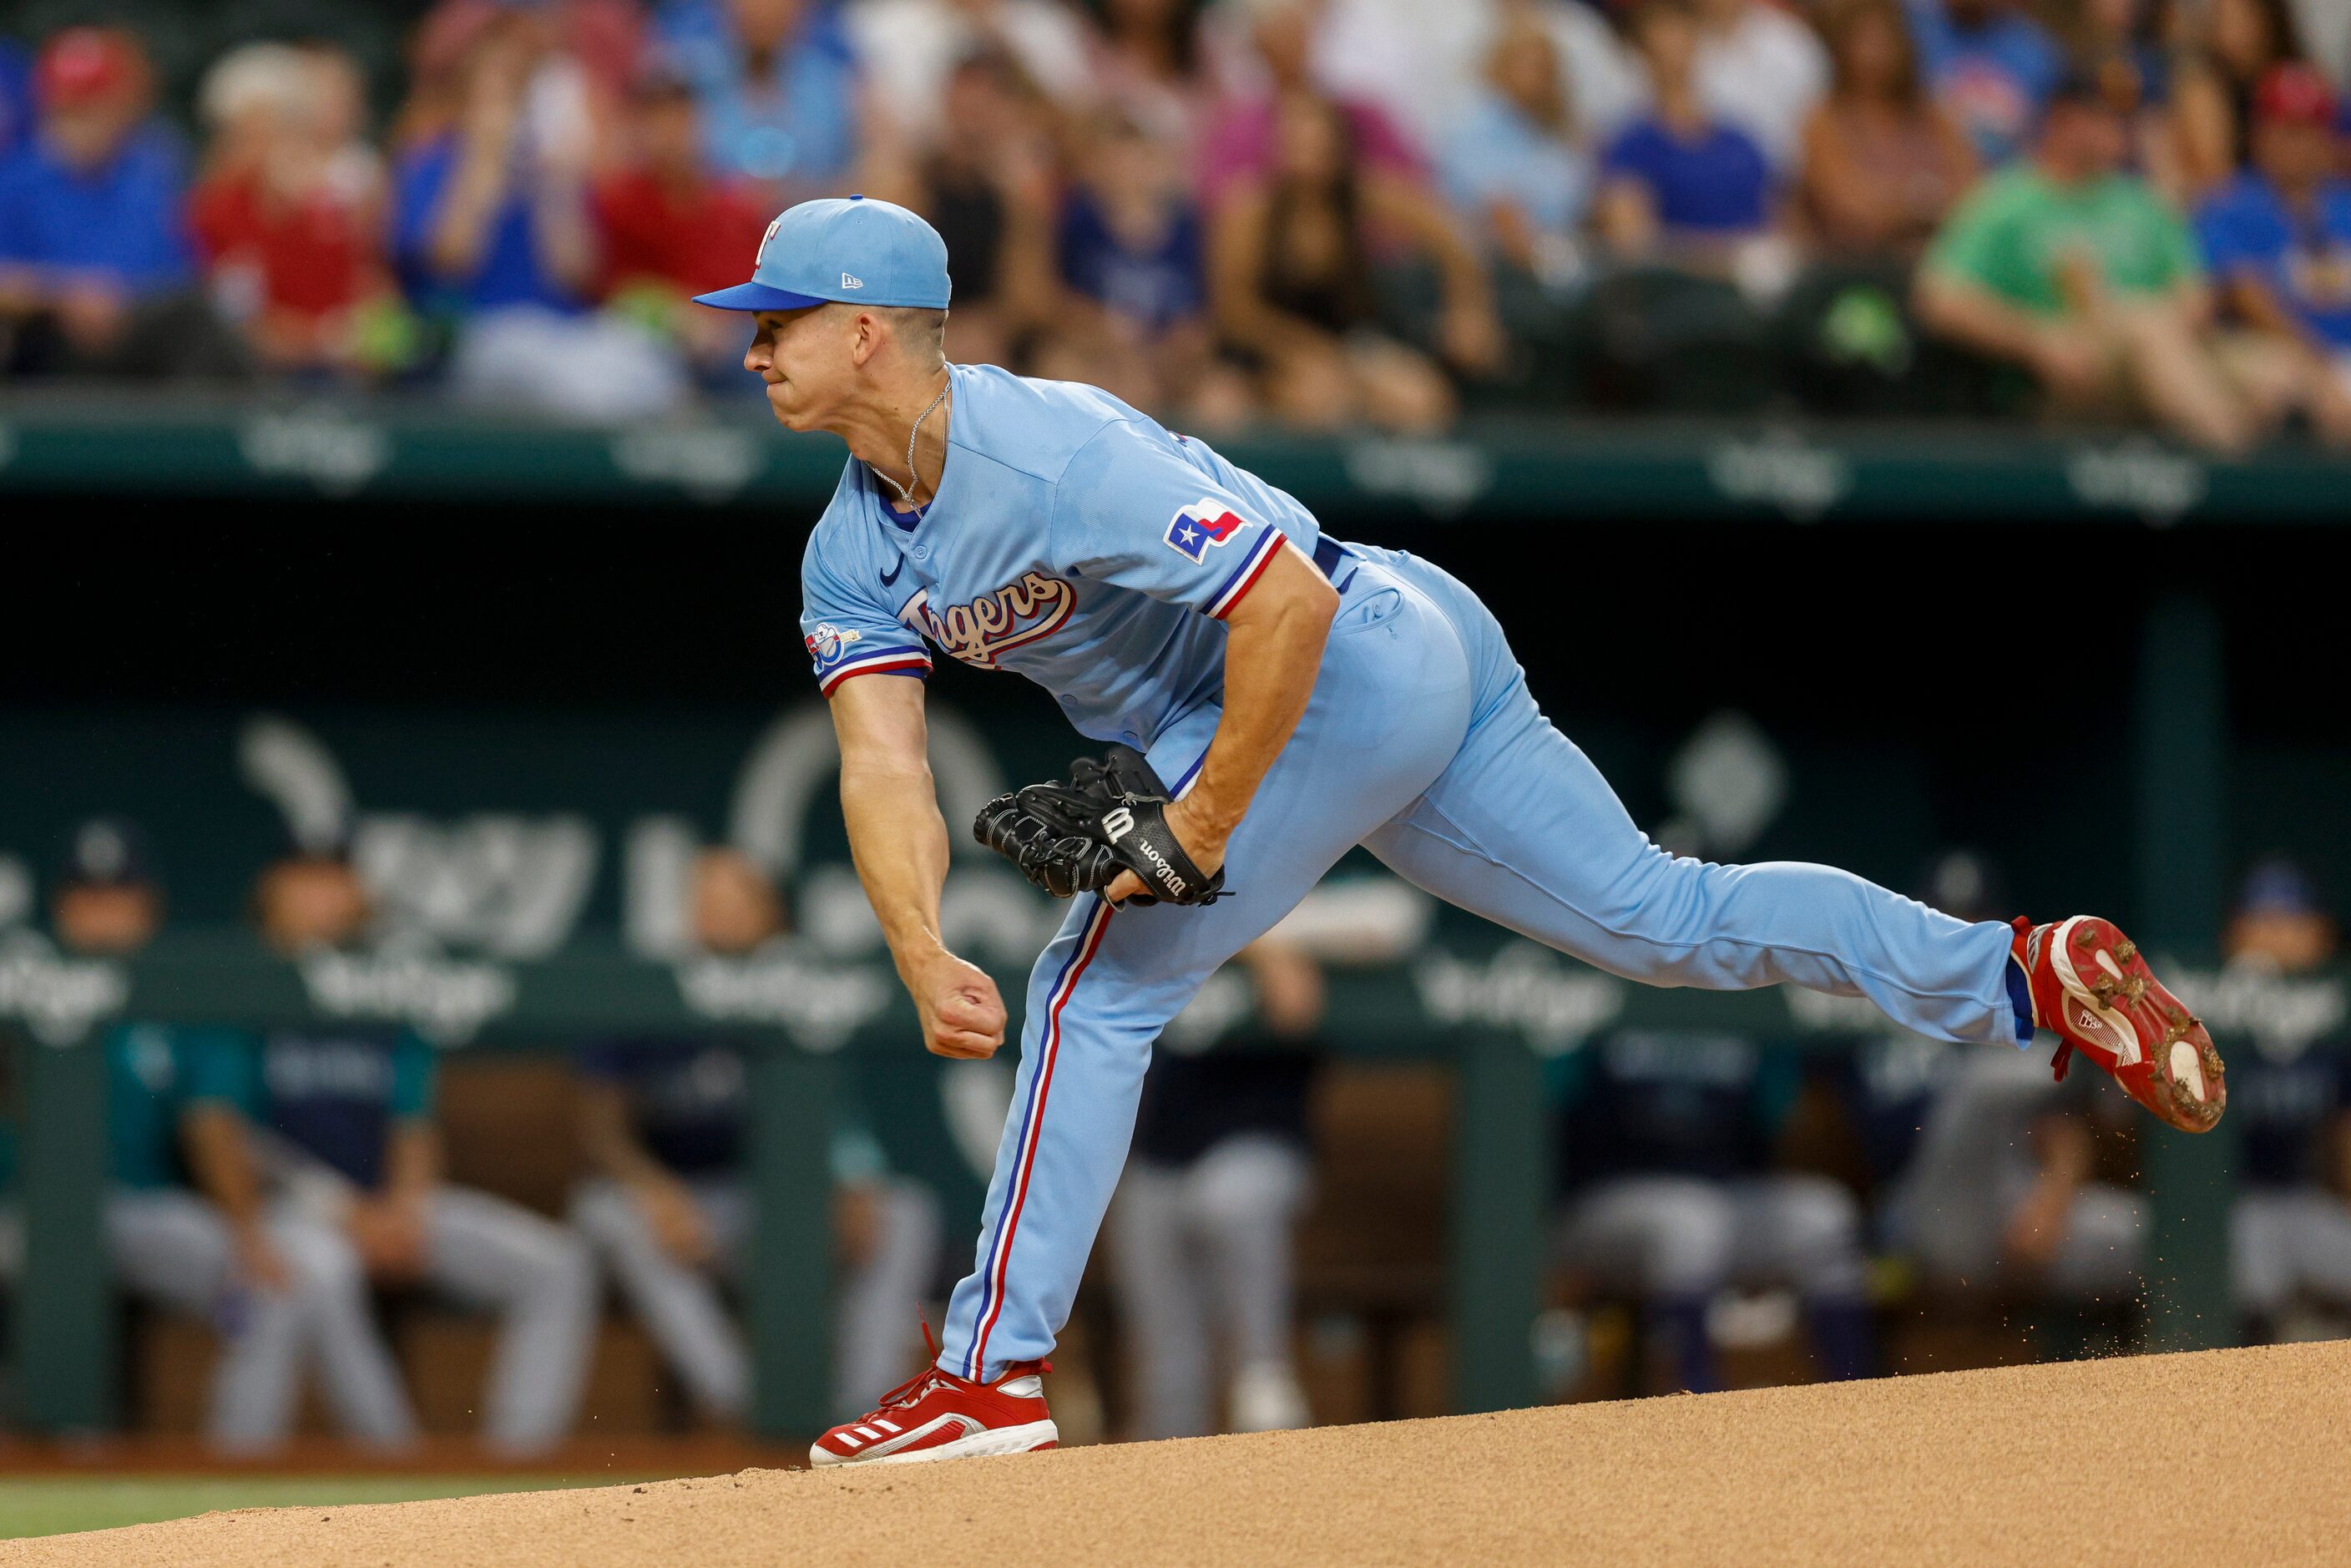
x: 962, y: 1014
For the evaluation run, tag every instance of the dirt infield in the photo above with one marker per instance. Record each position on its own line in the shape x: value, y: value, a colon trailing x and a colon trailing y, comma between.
x: 2224, y: 1458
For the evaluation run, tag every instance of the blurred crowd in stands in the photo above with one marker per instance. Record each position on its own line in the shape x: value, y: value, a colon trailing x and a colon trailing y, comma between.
x: 1324, y: 212
x: 1715, y: 1193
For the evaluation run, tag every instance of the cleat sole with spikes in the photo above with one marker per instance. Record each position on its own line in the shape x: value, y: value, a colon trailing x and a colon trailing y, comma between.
x: 2093, y: 986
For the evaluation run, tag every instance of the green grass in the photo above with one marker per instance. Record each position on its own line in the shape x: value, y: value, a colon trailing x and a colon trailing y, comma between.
x: 51, y: 1506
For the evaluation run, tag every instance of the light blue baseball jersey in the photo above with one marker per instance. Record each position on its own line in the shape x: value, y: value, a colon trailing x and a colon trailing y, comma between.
x: 1073, y: 539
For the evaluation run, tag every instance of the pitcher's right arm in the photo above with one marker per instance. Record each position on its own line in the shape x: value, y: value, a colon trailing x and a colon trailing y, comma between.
x: 899, y: 842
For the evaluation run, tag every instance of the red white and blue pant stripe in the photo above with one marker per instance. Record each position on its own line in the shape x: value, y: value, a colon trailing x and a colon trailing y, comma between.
x: 1018, y: 1160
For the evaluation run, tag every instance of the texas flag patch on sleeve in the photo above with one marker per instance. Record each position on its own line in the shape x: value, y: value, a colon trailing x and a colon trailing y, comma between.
x: 1206, y: 524
x: 1200, y: 527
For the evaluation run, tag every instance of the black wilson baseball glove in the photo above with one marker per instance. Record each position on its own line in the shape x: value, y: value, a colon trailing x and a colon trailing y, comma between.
x: 1111, y: 816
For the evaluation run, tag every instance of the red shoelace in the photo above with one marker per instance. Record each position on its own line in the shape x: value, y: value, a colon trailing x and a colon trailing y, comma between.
x: 912, y: 1391
x: 913, y: 1388
x: 2058, y: 1064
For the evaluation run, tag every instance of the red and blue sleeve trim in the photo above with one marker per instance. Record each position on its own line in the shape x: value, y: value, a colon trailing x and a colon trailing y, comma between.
x: 1245, y: 575
x: 899, y: 661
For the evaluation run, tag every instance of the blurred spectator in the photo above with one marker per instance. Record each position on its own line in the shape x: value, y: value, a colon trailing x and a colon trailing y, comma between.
x: 1203, y: 1230
x: 1605, y: 80
x: 1147, y: 62
x: 288, y: 216
x: 1130, y: 250
x: 252, y: 1276
x: 1992, y: 66
x: 2079, y: 272
x: 662, y: 1123
x: 1760, y: 71
x: 1670, y: 1195
x: 910, y: 47
x: 1421, y: 63
x: 671, y: 229
x: 1882, y: 161
x: 2278, y: 237
x: 1246, y: 144
x: 492, y: 211
x: 1518, y: 166
x: 1290, y: 270
x: 986, y: 184
x: 336, y: 105
x: 1678, y: 185
x: 15, y: 98
x: 247, y: 96
x: 779, y: 89
x: 341, y: 1120
x: 2289, y: 1236
x: 2228, y: 48
x: 2115, y: 42
x: 578, y: 83
x: 1424, y: 65
x: 1600, y: 76
x: 94, y: 264
x: 256, y: 96
x: 2324, y: 28
x: 491, y: 224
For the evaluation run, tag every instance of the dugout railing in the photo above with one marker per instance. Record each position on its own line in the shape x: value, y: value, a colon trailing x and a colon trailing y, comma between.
x: 123, y: 442
x: 1496, y: 1014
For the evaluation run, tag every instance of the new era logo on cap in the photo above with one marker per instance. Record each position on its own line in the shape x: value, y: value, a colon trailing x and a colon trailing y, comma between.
x: 849, y: 281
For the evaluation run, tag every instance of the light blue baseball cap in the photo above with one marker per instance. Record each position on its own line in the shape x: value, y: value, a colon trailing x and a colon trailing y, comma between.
x: 854, y: 250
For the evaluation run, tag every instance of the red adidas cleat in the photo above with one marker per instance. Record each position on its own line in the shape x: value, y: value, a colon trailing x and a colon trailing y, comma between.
x: 2091, y: 986
x: 935, y: 1415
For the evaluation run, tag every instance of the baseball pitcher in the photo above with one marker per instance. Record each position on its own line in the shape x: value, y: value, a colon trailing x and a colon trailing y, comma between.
x: 1271, y: 698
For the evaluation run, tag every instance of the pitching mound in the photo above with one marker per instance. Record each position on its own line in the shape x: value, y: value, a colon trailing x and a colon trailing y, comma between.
x: 2239, y: 1456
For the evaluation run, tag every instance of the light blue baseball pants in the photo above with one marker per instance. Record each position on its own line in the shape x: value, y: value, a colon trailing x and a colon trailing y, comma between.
x: 1423, y: 743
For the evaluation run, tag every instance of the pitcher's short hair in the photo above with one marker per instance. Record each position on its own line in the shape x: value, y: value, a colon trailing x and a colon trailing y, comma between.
x: 924, y: 331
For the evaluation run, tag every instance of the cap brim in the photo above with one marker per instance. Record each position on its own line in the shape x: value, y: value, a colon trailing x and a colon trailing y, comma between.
x: 756, y: 297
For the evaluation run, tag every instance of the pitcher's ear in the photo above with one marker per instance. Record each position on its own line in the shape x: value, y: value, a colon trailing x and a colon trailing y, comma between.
x: 866, y: 337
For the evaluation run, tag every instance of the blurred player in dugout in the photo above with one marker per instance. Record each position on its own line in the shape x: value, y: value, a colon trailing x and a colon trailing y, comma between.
x: 1980, y: 1162
x: 278, y: 1293
x: 663, y: 1128
x: 1203, y: 1230
x: 2289, y: 1236
x: 1669, y: 1141
x: 331, y: 1127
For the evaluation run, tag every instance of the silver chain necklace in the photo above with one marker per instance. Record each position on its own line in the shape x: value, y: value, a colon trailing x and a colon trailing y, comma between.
x: 905, y: 493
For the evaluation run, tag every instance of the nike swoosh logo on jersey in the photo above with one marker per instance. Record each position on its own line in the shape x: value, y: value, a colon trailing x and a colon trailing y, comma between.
x: 890, y: 576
